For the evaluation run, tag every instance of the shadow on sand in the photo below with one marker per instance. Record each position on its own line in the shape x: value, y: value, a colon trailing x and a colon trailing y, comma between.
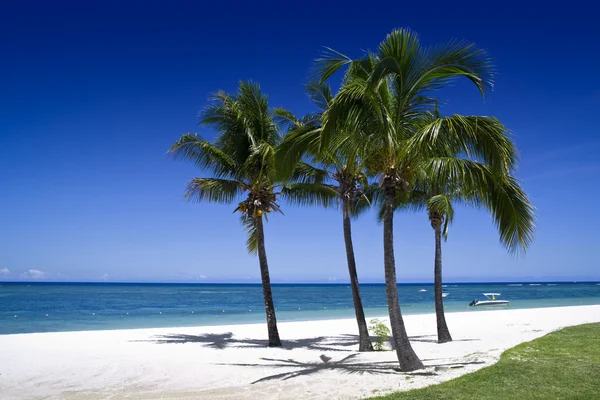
x: 433, y: 339
x: 225, y: 340
x: 349, y: 364
x: 333, y: 343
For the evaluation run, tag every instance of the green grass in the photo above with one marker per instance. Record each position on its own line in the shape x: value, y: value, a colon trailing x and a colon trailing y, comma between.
x: 561, y: 365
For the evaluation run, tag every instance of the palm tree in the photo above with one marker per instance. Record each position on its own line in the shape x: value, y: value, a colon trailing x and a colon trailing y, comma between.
x: 242, y: 160
x: 509, y: 206
x: 388, y: 96
x: 341, y: 172
x: 440, y: 211
x: 499, y: 193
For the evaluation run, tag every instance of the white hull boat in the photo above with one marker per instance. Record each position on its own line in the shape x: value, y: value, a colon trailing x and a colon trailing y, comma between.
x: 490, y: 301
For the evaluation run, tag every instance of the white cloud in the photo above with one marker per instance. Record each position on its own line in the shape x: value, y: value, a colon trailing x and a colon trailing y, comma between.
x: 332, y: 278
x: 105, y: 277
x: 4, y: 271
x: 202, y: 277
x: 33, y: 274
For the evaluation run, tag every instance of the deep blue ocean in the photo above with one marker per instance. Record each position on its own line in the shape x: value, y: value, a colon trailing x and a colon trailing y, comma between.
x: 56, y: 307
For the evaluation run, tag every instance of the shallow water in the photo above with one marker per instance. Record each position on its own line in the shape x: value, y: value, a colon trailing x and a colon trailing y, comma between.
x: 86, y: 306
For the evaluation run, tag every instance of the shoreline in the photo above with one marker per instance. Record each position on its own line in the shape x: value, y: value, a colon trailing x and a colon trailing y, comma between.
x: 63, y: 308
x: 318, y: 361
x: 309, y: 318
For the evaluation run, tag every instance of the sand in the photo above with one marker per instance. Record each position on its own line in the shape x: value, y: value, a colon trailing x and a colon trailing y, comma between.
x: 319, y: 359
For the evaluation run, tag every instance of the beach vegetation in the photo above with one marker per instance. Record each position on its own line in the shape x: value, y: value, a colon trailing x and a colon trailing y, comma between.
x: 382, y: 333
x: 561, y: 365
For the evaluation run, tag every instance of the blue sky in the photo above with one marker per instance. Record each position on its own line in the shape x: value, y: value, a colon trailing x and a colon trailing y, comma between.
x: 92, y: 96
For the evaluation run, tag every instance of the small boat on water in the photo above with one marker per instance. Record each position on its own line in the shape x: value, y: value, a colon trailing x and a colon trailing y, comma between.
x: 422, y: 290
x: 444, y: 294
x: 490, y: 301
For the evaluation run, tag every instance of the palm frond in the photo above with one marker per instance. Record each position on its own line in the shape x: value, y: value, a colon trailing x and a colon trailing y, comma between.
x: 310, y: 194
x: 483, y: 138
x: 258, y: 119
x: 354, y: 106
x: 443, y: 172
x: 320, y: 93
x: 454, y: 59
x: 307, y: 173
x: 213, y: 190
x: 285, y: 117
x: 398, y: 57
x: 191, y: 147
x: 478, y: 185
x: 224, y: 115
x: 260, y: 164
x: 300, y: 141
x: 329, y: 63
x: 250, y: 228
x: 513, y: 213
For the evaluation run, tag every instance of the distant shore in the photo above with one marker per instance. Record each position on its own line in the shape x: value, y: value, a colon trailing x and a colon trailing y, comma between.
x: 319, y: 359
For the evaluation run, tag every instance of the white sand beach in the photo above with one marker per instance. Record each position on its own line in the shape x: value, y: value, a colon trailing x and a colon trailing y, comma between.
x: 319, y: 360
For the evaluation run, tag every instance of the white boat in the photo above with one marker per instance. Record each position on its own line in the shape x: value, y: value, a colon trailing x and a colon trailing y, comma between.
x: 445, y: 294
x: 491, y: 301
x: 422, y: 290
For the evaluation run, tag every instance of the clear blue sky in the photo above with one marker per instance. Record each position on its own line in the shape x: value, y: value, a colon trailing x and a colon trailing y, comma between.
x: 92, y: 96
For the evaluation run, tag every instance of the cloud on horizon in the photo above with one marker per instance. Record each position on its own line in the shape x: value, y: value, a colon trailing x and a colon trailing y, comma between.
x: 4, y: 271
x: 33, y: 274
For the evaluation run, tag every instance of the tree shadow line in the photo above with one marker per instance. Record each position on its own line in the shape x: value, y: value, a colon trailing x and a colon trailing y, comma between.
x: 225, y: 340
x: 341, y: 343
x: 347, y: 365
x: 433, y: 339
x: 323, y: 343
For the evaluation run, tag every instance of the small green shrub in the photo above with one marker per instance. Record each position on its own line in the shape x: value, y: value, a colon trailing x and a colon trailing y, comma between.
x: 379, y: 329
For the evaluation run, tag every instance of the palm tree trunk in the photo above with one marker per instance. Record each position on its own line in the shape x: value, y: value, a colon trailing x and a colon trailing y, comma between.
x: 442, y: 328
x: 364, y: 344
x: 274, y: 340
x: 406, y: 355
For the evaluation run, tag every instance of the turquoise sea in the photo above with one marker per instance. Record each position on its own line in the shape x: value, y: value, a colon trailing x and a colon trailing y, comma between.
x: 56, y: 307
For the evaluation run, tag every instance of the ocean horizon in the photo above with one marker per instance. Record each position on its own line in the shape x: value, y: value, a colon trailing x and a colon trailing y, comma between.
x: 29, y: 307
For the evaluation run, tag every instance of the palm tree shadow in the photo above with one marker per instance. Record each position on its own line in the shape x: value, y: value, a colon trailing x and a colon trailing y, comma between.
x: 347, y: 365
x: 345, y: 342
x: 433, y: 339
x: 342, y: 343
x: 308, y: 368
x: 224, y: 340
x: 213, y: 340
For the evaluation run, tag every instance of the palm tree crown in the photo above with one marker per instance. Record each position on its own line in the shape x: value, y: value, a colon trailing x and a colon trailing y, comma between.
x: 242, y: 158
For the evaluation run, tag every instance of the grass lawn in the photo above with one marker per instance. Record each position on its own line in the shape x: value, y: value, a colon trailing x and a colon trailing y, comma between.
x: 561, y: 365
